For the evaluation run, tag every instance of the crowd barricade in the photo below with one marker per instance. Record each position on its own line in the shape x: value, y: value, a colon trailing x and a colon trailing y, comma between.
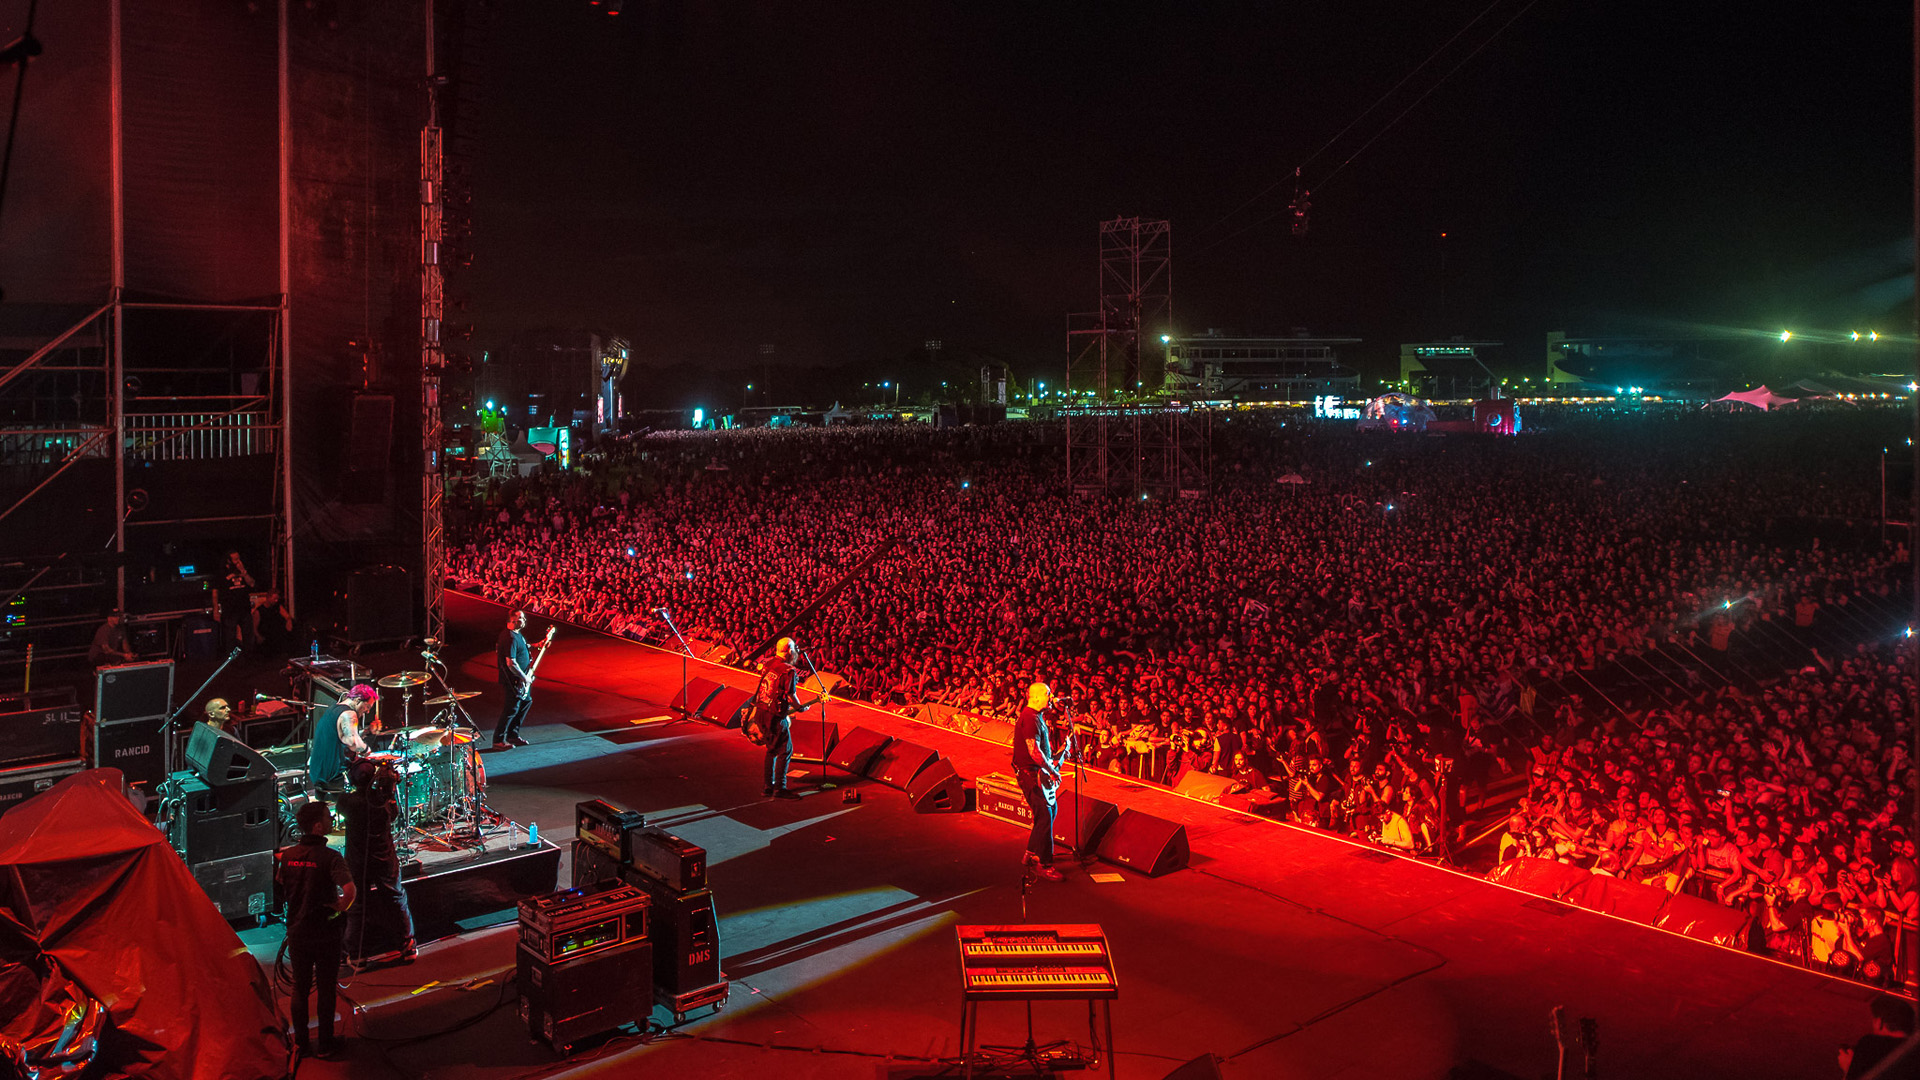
x: 991, y: 728
x: 1636, y: 901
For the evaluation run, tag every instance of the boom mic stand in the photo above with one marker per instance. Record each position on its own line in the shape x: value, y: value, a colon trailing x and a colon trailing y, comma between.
x: 826, y: 784
x: 166, y: 726
x: 686, y: 650
x: 1073, y: 755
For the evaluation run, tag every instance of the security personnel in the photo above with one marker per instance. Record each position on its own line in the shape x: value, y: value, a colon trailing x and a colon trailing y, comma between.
x: 314, y: 883
x: 370, y: 808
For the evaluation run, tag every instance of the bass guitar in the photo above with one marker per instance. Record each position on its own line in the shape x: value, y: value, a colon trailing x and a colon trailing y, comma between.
x: 541, y: 654
x: 1050, y: 779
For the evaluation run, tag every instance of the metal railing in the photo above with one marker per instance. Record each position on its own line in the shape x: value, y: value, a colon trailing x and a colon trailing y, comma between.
x: 199, y: 436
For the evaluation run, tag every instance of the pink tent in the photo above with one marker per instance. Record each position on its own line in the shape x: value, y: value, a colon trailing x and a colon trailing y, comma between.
x: 1759, y: 397
x: 95, y: 905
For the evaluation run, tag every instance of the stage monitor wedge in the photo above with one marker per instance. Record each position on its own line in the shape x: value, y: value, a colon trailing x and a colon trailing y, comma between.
x: 726, y: 707
x: 813, y: 739
x: 854, y: 752
x: 697, y: 693
x: 222, y: 760
x: 898, y: 762
x: 937, y: 789
x: 1151, y: 845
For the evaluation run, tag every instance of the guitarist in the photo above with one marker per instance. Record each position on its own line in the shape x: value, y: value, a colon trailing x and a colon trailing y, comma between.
x: 516, y: 680
x: 769, y: 724
x: 1039, y: 772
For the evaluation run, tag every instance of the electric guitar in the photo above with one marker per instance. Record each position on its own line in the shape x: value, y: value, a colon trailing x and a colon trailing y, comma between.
x: 1050, y: 780
x: 541, y: 655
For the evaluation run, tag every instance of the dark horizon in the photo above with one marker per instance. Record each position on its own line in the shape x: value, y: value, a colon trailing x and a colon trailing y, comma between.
x: 845, y: 184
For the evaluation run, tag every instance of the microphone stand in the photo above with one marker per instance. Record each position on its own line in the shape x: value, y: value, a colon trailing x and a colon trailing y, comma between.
x: 821, y: 702
x: 1066, y: 706
x: 166, y: 726
x: 686, y: 650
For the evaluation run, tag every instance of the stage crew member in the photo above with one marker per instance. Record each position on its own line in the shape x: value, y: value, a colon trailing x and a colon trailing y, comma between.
x: 774, y: 702
x: 1039, y: 774
x: 313, y: 881
x: 369, y: 809
x: 336, y: 738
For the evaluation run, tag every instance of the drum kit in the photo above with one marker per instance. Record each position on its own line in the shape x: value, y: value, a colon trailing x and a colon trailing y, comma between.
x: 439, y: 778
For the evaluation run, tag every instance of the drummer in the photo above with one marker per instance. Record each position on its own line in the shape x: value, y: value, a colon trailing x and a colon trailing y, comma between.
x: 336, y: 737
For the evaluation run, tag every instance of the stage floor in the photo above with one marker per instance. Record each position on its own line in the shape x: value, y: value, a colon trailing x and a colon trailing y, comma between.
x: 1286, y: 952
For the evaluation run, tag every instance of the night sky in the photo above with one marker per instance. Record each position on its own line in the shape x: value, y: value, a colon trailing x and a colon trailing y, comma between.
x: 846, y: 180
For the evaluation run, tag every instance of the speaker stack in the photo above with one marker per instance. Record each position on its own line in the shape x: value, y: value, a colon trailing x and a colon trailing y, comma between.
x: 583, y: 962
x: 223, y: 817
x: 43, y: 743
x: 616, y: 845
x: 131, y: 701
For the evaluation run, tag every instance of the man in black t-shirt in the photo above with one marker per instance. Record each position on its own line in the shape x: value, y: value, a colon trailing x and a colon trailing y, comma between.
x: 1039, y: 776
x: 1892, y: 1025
x: 516, y: 682
x: 313, y: 882
x: 369, y: 809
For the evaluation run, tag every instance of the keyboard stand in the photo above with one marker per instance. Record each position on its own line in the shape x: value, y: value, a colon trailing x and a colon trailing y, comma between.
x: 970, y: 1031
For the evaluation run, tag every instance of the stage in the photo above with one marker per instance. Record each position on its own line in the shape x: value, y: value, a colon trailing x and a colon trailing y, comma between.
x: 1286, y: 952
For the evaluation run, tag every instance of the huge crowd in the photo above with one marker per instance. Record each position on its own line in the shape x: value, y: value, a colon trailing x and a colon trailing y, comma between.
x: 1418, y: 625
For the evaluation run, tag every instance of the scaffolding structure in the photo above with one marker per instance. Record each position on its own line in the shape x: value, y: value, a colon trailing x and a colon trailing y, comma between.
x: 114, y: 455
x: 433, y: 358
x: 1140, y: 450
x: 1112, y: 446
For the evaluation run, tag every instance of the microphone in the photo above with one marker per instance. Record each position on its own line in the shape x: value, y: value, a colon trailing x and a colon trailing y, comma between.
x: 264, y: 697
x: 662, y: 612
x: 234, y: 653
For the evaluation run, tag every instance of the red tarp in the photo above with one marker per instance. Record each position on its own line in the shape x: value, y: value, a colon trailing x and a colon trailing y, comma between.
x: 92, y: 896
x: 1628, y: 899
x: 1541, y: 877
x: 1697, y: 918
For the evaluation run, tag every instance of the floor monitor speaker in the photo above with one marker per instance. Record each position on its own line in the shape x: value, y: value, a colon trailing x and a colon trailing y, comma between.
x: 937, y: 789
x: 855, y: 750
x: 1142, y: 842
x: 1079, y: 820
x: 1203, y: 785
x: 812, y: 739
x: 698, y: 692
x: 725, y: 707
x: 899, y: 762
x: 222, y: 760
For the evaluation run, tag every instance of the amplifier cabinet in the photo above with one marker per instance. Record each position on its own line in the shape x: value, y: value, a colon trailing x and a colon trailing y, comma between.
x: 563, y: 1003
x: 608, y: 827
x: 133, y: 691
x: 36, y: 736
x: 686, y: 939
x: 136, y: 747
x: 241, y: 886
x: 680, y: 865
x: 211, y: 823
x: 573, y: 923
x: 23, y: 782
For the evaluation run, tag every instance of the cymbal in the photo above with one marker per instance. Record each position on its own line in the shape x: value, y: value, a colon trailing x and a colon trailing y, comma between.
x: 405, y: 678
x: 448, y: 699
x: 434, y: 736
